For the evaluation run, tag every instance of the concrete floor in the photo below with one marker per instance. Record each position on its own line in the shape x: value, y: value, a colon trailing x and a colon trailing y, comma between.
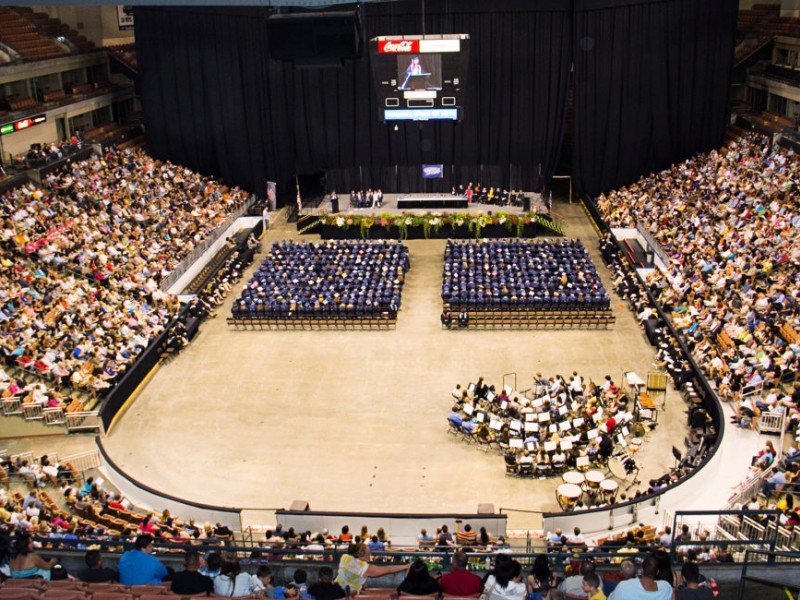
x: 356, y: 420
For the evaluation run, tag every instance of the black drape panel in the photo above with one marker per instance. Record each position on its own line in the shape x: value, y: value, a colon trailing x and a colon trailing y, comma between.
x: 215, y: 101
x: 651, y: 83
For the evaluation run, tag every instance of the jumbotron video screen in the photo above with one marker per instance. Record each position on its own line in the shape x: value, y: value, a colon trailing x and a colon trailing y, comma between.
x: 420, y: 78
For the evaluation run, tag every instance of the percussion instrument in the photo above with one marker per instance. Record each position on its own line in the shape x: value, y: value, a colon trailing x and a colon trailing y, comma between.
x: 568, y: 495
x: 609, y: 487
x: 573, y: 477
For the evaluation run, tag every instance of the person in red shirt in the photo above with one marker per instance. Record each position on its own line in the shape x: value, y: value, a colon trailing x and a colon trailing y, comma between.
x: 459, y: 581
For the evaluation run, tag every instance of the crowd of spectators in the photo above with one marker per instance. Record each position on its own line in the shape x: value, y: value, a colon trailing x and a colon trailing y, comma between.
x: 728, y: 222
x: 518, y: 273
x: 40, y: 155
x: 332, y: 278
x: 570, y: 423
x: 83, y: 255
x: 670, y: 357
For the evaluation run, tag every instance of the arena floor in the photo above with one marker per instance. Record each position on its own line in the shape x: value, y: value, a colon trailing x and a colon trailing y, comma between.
x: 356, y: 420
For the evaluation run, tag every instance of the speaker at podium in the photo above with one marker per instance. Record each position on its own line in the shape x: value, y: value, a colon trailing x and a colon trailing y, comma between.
x: 334, y: 205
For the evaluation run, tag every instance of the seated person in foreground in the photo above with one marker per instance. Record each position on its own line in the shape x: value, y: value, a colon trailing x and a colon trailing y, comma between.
x: 139, y: 566
x: 459, y: 581
x: 355, y: 569
x: 418, y: 581
x: 190, y: 581
x: 95, y: 572
x: 325, y: 588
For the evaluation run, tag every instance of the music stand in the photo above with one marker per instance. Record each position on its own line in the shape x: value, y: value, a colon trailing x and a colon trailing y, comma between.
x: 678, y: 456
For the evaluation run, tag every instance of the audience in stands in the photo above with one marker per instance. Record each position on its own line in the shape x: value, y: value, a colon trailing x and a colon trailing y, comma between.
x: 531, y: 274
x: 726, y: 220
x: 332, y: 278
x: 82, y: 258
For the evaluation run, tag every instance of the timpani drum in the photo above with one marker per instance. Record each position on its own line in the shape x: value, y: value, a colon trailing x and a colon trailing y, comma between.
x: 573, y: 477
x: 609, y: 487
x: 593, y: 481
x: 568, y: 495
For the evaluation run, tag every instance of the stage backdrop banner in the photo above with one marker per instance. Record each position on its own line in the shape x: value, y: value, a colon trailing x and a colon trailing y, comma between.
x: 432, y: 171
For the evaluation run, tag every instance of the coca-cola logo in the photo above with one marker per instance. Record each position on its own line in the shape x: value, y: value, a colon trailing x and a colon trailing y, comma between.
x: 398, y: 47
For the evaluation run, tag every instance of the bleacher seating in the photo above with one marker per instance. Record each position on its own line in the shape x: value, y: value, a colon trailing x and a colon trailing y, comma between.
x: 36, y: 36
x: 125, y: 53
x: 76, y: 260
x: 731, y: 304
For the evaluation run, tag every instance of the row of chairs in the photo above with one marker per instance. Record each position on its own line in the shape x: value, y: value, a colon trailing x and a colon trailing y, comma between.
x: 41, y: 589
x: 532, y: 320
x: 559, y: 307
x: 383, y: 321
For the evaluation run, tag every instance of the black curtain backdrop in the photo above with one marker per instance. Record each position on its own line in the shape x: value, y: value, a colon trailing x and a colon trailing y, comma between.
x: 651, y: 85
x: 215, y: 101
x: 650, y: 88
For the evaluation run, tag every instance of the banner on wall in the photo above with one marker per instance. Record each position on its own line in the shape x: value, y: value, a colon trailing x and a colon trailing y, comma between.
x: 432, y: 171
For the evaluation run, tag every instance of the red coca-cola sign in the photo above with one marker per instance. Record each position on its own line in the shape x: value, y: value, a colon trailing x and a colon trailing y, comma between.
x: 398, y: 47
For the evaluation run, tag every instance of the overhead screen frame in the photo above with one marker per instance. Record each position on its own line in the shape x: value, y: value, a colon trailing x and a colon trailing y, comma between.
x: 435, y: 91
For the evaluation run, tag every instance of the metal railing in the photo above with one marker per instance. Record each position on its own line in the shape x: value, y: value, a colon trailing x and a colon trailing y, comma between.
x: 203, y: 246
x: 658, y: 250
x: 751, y: 486
x: 84, y: 460
x: 770, y: 557
x: 83, y: 421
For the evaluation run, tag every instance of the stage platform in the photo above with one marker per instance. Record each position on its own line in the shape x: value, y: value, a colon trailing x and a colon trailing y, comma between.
x: 393, y: 203
x: 431, y: 201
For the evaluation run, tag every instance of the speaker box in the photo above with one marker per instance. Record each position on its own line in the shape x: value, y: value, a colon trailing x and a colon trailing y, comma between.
x: 526, y: 203
x: 315, y: 39
x: 300, y: 506
x: 485, y: 508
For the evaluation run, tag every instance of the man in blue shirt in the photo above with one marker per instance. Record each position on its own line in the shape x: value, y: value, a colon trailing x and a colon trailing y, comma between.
x: 139, y: 566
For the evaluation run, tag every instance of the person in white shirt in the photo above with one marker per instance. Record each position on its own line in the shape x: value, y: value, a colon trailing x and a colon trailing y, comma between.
x: 576, y: 537
x: 231, y: 581
x: 505, y: 581
x: 666, y: 537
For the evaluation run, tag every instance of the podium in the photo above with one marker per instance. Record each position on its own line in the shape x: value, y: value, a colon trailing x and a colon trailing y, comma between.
x: 416, y: 82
